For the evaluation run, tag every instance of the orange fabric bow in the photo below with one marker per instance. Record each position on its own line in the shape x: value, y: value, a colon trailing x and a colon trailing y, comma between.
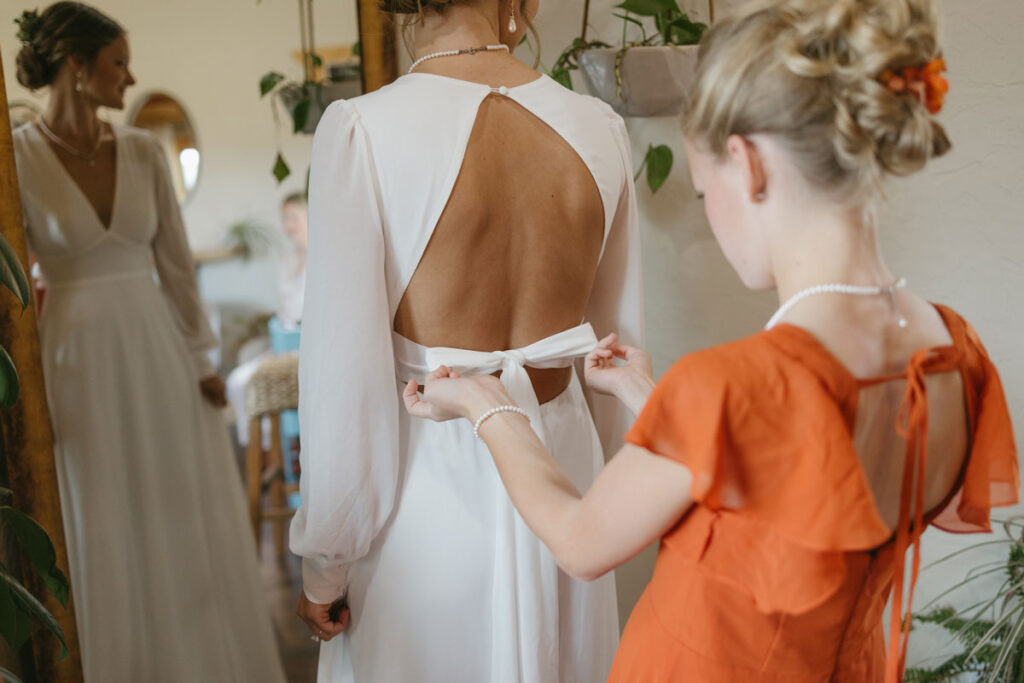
x: 926, y: 83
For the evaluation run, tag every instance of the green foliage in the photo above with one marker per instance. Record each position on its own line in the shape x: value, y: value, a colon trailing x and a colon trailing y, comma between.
x: 569, y: 60
x: 281, y: 169
x: 659, y: 164
x: 19, y: 609
x: 991, y: 632
x: 13, y: 278
x: 12, y: 275
x: 270, y: 80
x: 9, y: 387
x: 250, y: 237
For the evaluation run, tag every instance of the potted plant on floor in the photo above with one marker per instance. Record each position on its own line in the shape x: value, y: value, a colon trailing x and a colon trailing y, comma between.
x: 20, y: 611
x: 991, y: 631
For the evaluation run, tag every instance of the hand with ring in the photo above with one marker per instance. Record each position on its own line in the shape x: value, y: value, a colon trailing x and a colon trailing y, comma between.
x: 325, y: 621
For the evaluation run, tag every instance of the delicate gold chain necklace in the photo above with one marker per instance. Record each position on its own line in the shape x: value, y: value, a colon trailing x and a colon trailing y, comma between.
x: 89, y: 158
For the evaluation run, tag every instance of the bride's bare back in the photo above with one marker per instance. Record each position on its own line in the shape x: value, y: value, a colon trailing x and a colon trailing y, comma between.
x: 514, y: 254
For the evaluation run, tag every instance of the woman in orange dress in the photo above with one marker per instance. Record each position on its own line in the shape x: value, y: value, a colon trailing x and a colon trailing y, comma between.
x: 787, y: 474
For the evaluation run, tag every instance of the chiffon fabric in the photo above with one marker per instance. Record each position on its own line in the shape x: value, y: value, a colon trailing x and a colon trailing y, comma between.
x: 163, y: 564
x: 407, y: 516
x: 782, y: 569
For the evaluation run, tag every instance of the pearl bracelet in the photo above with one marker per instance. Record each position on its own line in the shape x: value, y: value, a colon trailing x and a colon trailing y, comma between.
x: 494, y: 411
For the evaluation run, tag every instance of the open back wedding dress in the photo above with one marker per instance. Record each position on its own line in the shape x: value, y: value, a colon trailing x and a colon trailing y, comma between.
x: 409, y: 517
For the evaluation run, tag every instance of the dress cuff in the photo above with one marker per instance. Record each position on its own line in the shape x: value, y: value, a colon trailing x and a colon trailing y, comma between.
x: 323, y: 581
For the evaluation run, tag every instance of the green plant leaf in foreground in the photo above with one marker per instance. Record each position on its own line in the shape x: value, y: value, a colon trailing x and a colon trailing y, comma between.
x: 659, y: 164
x: 562, y: 77
x: 38, y: 547
x: 281, y: 170
x: 12, y: 275
x: 27, y: 604
x: 269, y: 82
x: 301, y: 114
x: 8, y: 380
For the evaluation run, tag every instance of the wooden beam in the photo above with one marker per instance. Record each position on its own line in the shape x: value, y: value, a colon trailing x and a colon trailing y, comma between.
x: 378, y: 45
x: 27, y: 437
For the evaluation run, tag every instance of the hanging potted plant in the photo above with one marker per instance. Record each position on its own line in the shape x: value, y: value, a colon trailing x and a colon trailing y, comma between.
x: 650, y: 76
x: 305, y: 101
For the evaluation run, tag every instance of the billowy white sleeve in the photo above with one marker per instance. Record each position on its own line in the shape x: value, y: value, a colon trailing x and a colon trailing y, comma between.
x: 348, y: 399
x: 616, y: 301
x: 172, y: 257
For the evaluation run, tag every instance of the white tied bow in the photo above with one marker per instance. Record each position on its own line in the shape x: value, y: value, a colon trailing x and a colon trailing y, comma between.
x: 556, y: 351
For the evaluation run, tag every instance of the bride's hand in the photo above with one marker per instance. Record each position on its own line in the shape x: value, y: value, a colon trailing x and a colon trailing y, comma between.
x: 631, y: 382
x: 448, y: 396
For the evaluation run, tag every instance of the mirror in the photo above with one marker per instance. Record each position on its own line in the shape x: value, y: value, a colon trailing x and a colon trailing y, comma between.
x: 163, y: 116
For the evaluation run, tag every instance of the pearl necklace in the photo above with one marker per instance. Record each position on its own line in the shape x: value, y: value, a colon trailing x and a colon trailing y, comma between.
x: 836, y: 288
x: 454, y: 53
x: 56, y: 139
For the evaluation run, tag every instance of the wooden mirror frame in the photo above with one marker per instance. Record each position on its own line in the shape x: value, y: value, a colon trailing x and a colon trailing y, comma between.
x: 378, y: 45
x: 27, y: 439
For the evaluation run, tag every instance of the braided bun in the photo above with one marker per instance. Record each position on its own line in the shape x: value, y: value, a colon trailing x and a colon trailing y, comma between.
x: 33, y: 71
x: 810, y: 73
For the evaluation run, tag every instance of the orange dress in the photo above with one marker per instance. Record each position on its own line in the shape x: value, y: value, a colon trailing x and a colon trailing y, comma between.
x: 782, y: 568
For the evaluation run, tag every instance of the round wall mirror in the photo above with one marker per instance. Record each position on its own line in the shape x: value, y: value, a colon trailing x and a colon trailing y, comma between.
x: 167, y: 120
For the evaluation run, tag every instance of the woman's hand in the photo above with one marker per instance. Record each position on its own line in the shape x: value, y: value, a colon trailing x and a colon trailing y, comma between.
x: 325, y: 621
x: 448, y: 396
x: 214, y: 390
x: 631, y: 382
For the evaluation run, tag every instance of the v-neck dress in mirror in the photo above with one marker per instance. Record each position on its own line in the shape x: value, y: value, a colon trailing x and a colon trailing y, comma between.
x: 408, y: 516
x: 162, y: 560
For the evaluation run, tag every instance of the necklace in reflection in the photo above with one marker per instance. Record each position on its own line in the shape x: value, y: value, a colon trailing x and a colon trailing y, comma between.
x: 88, y: 157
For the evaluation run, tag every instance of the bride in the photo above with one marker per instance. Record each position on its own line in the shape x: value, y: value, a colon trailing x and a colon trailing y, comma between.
x: 470, y: 214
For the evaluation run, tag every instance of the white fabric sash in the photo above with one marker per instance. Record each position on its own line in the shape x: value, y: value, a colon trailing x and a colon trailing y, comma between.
x: 556, y: 351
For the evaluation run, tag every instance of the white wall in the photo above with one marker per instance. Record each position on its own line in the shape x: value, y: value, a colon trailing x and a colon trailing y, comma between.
x: 210, y: 55
x: 954, y: 231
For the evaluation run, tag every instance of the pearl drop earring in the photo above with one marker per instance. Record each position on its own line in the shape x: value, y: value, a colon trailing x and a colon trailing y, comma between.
x: 512, y: 18
x: 79, y: 82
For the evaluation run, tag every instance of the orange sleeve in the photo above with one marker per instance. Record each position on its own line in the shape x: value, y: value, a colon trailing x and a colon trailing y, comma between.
x: 992, y: 478
x: 683, y: 419
x: 763, y: 437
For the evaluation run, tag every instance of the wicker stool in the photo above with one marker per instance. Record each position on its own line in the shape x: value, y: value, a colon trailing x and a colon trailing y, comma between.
x: 273, y: 388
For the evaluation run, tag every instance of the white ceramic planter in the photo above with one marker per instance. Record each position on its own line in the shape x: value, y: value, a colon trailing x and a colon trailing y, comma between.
x: 655, y: 80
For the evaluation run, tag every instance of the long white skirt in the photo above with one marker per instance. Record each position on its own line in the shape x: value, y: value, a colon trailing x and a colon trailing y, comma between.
x: 444, y: 595
x: 163, y: 565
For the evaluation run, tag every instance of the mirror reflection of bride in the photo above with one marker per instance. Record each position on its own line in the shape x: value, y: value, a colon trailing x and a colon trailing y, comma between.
x: 162, y: 559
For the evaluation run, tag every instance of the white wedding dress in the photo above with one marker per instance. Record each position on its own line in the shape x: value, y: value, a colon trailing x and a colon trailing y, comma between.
x: 163, y: 565
x: 446, y: 583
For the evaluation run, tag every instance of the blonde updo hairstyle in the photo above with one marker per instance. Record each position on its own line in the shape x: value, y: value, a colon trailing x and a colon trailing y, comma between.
x: 413, y: 11
x: 63, y: 29
x: 807, y: 73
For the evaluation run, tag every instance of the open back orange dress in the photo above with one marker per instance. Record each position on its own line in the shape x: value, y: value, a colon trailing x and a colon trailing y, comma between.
x: 782, y: 569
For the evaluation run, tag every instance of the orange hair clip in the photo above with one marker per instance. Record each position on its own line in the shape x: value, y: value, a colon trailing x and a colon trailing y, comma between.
x: 926, y: 83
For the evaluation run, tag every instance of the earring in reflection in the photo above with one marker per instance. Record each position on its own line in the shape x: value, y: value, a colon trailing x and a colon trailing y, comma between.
x: 512, y: 18
x: 80, y: 82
